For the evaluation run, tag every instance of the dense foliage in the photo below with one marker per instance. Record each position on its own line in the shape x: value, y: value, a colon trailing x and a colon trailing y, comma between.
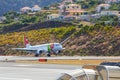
x: 111, y: 20
x: 115, y: 6
x: 15, y: 39
x: 96, y: 40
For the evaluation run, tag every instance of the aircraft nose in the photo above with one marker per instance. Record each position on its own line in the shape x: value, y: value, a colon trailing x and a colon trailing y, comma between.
x: 61, y: 47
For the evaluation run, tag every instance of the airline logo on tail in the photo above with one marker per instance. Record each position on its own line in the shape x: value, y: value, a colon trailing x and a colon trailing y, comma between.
x: 26, y: 42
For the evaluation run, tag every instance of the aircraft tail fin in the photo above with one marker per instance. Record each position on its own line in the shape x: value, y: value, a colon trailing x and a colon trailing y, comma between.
x: 26, y: 42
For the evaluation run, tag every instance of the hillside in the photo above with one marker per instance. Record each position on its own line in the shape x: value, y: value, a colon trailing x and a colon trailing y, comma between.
x: 95, y: 40
x: 27, y: 27
x: 15, y: 5
x: 15, y: 39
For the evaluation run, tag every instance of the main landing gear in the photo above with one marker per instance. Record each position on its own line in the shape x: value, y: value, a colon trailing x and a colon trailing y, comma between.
x: 48, y: 55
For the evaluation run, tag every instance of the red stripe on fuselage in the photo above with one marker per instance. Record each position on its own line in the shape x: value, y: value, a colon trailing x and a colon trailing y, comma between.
x: 52, y: 46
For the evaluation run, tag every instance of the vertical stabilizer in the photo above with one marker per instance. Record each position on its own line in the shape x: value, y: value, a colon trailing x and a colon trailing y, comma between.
x: 26, y: 42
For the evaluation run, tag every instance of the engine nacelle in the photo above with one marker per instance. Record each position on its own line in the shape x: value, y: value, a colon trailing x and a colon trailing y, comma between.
x: 39, y: 52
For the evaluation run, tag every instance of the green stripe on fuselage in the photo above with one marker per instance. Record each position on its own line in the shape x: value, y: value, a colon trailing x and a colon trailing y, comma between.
x: 49, y: 48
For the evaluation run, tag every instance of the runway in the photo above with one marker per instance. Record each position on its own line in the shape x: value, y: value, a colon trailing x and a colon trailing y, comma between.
x: 11, y: 70
x: 18, y: 71
x: 10, y: 58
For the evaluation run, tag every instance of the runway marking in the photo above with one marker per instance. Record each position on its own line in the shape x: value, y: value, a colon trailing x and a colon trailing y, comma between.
x: 5, y: 78
x: 23, y: 65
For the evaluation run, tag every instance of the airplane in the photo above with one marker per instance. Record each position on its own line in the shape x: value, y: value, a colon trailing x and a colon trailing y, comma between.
x: 43, y: 48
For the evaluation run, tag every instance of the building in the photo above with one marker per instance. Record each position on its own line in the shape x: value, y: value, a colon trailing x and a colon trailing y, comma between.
x: 102, y: 7
x: 25, y: 9
x: 53, y: 16
x: 2, y: 19
x: 109, y: 12
x: 36, y: 8
x: 76, y: 12
x: 72, y: 12
x: 67, y: 1
x: 72, y: 7
x: 111, y: 1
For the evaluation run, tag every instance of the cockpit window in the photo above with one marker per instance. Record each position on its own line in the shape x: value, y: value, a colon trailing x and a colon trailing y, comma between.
x: 56, y: 44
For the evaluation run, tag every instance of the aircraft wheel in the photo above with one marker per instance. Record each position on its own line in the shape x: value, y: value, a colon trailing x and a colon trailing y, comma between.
x: 36, y: 55
x: 48, y: 55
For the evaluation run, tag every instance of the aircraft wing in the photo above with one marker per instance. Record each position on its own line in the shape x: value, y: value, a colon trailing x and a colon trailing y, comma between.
x: 24, y: 49
x: 29, y: 49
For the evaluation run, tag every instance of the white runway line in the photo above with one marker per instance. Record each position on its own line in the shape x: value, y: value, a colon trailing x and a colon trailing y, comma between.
x: 5, y: 78
x: 24, y: 65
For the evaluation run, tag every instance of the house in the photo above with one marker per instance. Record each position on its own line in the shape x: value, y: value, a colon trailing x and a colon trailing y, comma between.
x: 72, y: 12
x: 67, y: 1
x: 53, y: 16
x: 25, y: 9
x: 72, y: 7
x: 97, y: 15
x: 111, y: 1
x: 2, y: 18
x: 109, y: 12
x: 76, y: 12
x: 36, y: 8
x: 102, y: 7
x: 69, y: 17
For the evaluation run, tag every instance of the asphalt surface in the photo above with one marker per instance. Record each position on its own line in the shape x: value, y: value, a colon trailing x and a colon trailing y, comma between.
x: 18, y: 71
x: 4, y: 58
x: 11, y: 70
x: 22, y: 71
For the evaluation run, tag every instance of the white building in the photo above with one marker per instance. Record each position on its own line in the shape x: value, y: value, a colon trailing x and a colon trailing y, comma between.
x: 110, y: 13
x: 73, y: 7
x: 52, y: 16
x: 102, y: 6
x: 25, y: 9
x: 111, y: 1
x: 36, y: 8
x: 67, y: 1
x: 2, y: 18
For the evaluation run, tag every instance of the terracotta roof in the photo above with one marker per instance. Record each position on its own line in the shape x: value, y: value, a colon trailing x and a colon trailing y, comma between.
x: 54, y: 15
x: 25, y: 8
x: 76, y: 11
x: 73, y: 5
x: 104, y: 5
x: 36, y: 6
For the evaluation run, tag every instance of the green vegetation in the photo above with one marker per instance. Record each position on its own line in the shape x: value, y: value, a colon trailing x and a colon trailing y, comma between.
x: 16, y: 21
x: 110, y: 20
x: 89, y: 4
x: 15, y: 5
x: 100, y: 39
x: 15, y: 39
x: 115, y: 6
x: 96, y: 40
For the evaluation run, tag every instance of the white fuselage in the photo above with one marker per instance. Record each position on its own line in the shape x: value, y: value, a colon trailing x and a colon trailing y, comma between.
x: 44, y: 47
